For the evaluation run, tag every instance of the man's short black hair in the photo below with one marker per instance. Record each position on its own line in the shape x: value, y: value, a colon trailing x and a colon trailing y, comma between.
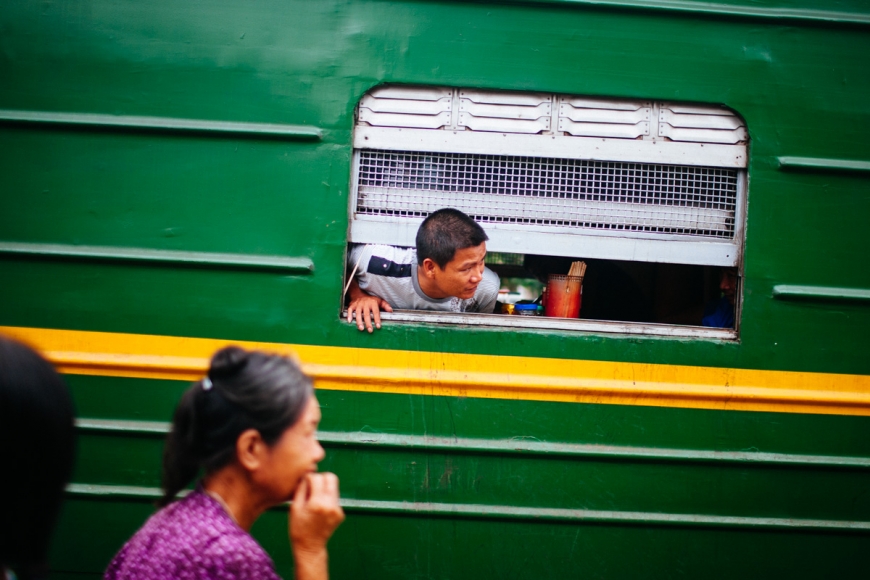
x: 443, y: 233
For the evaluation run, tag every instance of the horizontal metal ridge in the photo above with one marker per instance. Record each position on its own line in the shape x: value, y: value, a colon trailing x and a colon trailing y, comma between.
x: 120, y: 426
x: 482, y: 511
x: 163, y: 124
x: 791, y: 15
x: 787, y: 163
x: 291, y: 265
x: 820, y: 293
x: 547, y: 323
x: 117, y: 491
x: 520, y: 446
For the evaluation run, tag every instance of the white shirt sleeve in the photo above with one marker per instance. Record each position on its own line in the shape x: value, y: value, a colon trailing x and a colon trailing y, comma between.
x: 359, y: 257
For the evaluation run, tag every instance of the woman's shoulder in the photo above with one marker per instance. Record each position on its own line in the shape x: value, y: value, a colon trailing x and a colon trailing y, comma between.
x: 239, y: 556
x: 196, y: 516
x: 193, y: 537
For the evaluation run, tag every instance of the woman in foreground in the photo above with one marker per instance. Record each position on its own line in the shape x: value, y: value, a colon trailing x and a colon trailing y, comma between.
x: 249, y: 426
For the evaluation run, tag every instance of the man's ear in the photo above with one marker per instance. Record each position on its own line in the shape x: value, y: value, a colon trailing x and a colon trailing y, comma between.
x: 429, y: 266
x: 250, y: 449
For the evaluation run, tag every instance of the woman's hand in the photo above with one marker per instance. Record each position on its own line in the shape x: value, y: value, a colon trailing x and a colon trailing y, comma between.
x: 314, y: 515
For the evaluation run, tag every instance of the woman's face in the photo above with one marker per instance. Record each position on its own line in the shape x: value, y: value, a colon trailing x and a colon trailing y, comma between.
x: 295, y: 454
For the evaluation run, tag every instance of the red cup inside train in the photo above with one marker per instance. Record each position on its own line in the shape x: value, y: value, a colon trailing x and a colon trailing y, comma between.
x: 564, y: 295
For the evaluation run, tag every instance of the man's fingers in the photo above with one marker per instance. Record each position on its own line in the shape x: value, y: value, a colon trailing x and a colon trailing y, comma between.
x: 367, y: 311
x: 352, y: 309
x: 370, y: 314
x: 360, y: 308
x: 382, y: 305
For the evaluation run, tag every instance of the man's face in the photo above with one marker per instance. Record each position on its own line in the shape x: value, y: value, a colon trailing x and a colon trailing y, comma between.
x: 728, y: 284
x: 461, y: 276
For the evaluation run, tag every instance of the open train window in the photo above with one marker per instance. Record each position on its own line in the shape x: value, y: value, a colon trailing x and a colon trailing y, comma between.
x: 651, y: 195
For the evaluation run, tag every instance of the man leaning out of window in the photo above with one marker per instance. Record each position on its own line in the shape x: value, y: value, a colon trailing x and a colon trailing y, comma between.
x: 445, y: 272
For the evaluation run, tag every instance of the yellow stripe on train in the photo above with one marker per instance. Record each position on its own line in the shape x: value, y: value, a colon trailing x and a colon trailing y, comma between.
x: 468, y: 375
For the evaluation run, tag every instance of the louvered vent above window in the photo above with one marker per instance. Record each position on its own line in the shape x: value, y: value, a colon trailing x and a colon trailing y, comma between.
x: 553, y: 174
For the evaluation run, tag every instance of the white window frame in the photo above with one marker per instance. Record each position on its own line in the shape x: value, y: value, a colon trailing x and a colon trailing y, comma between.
x: 649, y: 146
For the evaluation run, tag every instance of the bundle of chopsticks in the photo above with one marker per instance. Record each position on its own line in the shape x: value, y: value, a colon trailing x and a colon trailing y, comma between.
x: 577, y: 269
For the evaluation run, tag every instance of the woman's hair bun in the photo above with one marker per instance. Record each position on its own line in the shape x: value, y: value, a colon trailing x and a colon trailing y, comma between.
x: 227, y: 361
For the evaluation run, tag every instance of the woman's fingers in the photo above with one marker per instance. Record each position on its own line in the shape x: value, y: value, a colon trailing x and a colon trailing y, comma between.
x: 315, y: 481
x: 300, y: 497
x: 330, y: 485
x: 323, y: 498
x: 316, y: 511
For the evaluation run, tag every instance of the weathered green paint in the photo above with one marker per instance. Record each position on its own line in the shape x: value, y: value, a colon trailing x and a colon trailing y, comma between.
x: 410, y: 547
x: 799, y: 88
x: 224, y: 128
x: 652, y: 487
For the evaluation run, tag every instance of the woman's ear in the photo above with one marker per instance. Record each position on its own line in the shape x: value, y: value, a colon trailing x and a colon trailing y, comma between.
x: 250, y: 449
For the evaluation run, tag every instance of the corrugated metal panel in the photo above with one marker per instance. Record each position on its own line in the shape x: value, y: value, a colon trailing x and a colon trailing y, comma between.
x: 504, y: 112
x: 406, y: 106
x: 597, y: 118
x: 697, y: 124
x: 610, y: 104
x: 506, y: 98
x: 414, y: 107
x: 412, y: 93
x: 702, y: 135
x: 448, y: 108
x: 503, y: 125
x: 402, y: 120
x: 611, y: 130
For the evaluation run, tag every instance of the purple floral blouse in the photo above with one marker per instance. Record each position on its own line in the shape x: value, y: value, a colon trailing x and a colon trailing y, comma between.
x: 193, y: 538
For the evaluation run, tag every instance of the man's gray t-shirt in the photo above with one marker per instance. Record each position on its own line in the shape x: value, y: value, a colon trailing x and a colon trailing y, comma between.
x: 390, y: 272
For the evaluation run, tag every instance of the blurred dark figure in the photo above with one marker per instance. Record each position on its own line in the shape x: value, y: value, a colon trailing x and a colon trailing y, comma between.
x: 720, y: 313
x: 37, y: 450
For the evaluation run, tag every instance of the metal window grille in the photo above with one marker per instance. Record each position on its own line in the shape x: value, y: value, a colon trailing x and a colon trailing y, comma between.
x: 602, y: 195
x: 504, y: 259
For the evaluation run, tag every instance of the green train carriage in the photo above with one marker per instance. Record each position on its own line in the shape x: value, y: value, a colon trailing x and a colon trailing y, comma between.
x: 179, y: 177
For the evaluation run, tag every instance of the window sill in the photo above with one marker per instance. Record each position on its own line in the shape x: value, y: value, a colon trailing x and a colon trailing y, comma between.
x: 573, y: 325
